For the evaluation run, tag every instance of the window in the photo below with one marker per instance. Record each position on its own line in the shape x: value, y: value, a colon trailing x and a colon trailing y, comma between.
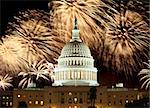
x: 6, y: 103
x: 121, y: 101
x: 109, y: 103
x: 75, y: 100
x: 50, y: 93
x: 42, y: 102
x: 70, y: 100
x: 138, y: 97
x: 80, y: 100
x: 3, y: 97
x: 127, y: 101
x: 30, y: 102
x: 114, y: 96
x: 100, y: 94
x: 100, y: 101
x: 62, y: 100
x: 50, y: 100
x: 18, y: 96
x: 69, y: 93
x: 36, y: 102
x: 75, y: 107
x: 10, y: 103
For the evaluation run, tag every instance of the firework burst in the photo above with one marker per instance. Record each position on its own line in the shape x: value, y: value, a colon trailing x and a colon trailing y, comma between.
x: 36, y: 37
x: 126, y: 41
x: 10, y: 61
x: 5, y: 82
x: 146, y: 76
x: 141, y: 7
x: 36, y: 70
x: 89, y: 13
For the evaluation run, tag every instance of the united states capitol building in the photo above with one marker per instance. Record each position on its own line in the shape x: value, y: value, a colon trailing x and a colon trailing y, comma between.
x: 75, y: 64
x: 75, y: 75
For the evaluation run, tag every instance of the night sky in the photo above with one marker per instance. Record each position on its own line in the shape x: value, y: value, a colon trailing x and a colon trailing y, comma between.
x: 10, y: 8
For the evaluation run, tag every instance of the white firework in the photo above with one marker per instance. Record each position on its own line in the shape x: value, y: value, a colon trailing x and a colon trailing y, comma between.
x: 5, y: 82
x: 145, y: 73
x: 35, y: 71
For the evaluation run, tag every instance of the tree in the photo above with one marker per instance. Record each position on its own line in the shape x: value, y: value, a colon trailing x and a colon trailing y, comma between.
x: 93, y: 91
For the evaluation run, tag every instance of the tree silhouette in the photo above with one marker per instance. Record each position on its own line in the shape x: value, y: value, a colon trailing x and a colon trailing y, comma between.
x: 93, y: 91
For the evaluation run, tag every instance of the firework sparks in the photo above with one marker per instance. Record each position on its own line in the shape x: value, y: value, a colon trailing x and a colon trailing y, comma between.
x: 89, y: 14
x: 146, y: 76
x: 29, y: 38
x: 5, y: 82
x: 126, y: 40
x: 36, y: 70
x: 10, y: 61
x: 38, y: 40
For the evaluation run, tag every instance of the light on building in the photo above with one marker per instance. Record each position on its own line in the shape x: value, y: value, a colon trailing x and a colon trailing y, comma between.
x: 3, y: 97
x: 69, y: 93
x: 138, y: 97
x: 19, y: 96
x: 119, y: 85
x: 36, y: 102
x: 10, y: 103
x: 114, y: 96
x: 75, y: 107
x: 75, y: 100
x: 6, y: 103
x: 42, y: 103
x: 69, y: 107
x: 109, y: 103
x: 127, y: 101
x: 30, y: 102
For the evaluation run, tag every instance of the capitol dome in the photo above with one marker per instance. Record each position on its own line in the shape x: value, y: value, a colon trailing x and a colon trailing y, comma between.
x: 75, y: 64
x: 75, y: 49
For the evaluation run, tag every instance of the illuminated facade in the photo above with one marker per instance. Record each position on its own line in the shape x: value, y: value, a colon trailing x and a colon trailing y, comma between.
x: 75, y: 64
x: 75, y: 97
